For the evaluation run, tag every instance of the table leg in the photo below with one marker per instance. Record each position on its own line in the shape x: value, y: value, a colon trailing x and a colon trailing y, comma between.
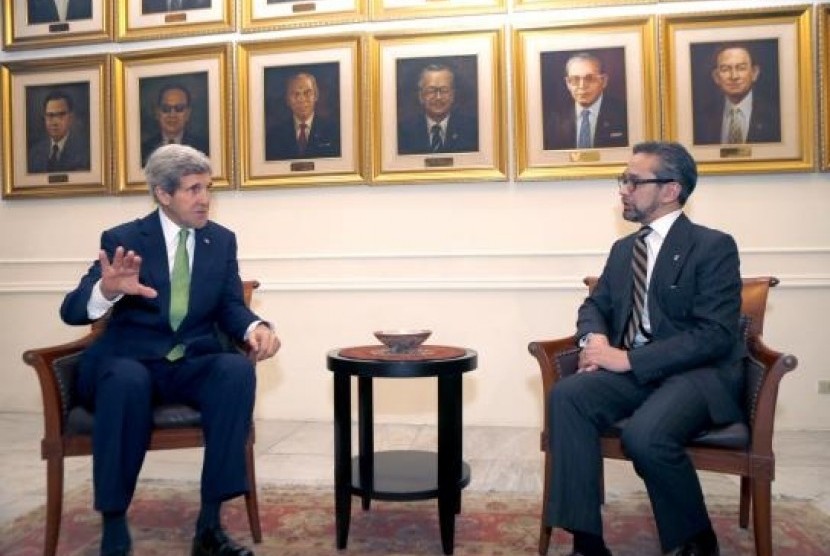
x: 342, y: 456
x: 366, y: 439
x: 449, y: 456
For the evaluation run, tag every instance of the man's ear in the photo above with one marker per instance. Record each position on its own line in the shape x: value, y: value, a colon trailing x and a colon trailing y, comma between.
x: 162, y: 196
x: 671, y: 191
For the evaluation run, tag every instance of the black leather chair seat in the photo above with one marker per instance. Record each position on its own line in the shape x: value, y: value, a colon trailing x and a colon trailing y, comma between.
x: 734, y: 435
x: 81, y: 420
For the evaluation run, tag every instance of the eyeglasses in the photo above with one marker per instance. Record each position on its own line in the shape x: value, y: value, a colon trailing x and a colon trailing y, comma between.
x: 435, y: 91
x: 197, y: 189
x: 585, y: 80
x: 628, y: 184
x: 177, y: 108
x: 61, y: 114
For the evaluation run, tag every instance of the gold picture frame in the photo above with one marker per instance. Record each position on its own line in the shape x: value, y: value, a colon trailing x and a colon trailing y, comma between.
x: 456, y: 76
x: 39, y: 24
x: 620, y: 55
x: 280, y: 83
x: 150, y: 19
x: 774, y: 127
x: 183, y: 95
x: 554, y: 4
x: 410, y: 9
x: 56, y: 128
x: 261, y: 15
x: 824, y: 64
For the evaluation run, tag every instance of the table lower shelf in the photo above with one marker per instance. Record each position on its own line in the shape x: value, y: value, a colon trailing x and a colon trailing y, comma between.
x: 405, y: 475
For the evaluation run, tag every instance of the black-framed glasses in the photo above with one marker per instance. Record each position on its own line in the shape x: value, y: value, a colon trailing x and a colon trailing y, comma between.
x: 628, y: 184
x: 177, y: 108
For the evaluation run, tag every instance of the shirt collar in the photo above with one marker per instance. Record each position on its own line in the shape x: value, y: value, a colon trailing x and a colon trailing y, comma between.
x: 662, y: 225
x: 594, y: 108
x: 170, y: 230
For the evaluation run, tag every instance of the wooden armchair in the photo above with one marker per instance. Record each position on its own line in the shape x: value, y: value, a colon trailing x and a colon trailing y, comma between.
x: 743, y: 449
x: 68, y: 426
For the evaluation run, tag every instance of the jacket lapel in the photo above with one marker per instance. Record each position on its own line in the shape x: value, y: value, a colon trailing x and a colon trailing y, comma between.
x: 670, y: 262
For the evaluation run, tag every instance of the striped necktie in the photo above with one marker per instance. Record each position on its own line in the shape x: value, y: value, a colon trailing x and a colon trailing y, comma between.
x: 435, y: 142
x: 639, y: 265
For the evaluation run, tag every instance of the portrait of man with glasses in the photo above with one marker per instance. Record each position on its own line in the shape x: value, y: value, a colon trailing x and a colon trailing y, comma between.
x: 438, y: 123
x: 585, y: 114
x: 57, y: 131
x: 171, y: 121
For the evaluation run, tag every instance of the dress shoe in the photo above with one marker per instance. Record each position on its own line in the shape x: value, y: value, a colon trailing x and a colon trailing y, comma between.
x: 697, y: 548
x: 118, y: 552
x: 214, y: 542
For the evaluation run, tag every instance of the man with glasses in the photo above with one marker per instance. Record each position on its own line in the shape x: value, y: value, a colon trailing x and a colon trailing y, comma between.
x: 594, y: 119
x: 438, y: 128
x: 660, y: 345
x: 172, y: 114
x: 742, y: 113
x: 64, y: 148
x: 304, y: 133
x: 169, y: 282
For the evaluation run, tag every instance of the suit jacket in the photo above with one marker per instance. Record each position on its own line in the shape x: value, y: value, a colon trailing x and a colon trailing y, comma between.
x: 75, y: 155
x: 156, y: 6
x: 140, y: 328
x: 461, y: 135
x: 281, y: 140
x: 198, y: 142
x: 44, y: 11
x: 694, y: 301
x: 611, y: 129
x: 764, y: 125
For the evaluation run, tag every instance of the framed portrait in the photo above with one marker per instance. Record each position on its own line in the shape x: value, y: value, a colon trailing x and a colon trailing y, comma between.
x: 745, y: 103
x: 45, y: 23
x: 300, y: 106
x: 56, y: 128
x: 163, y: 97
x: 553, y: 4
x: 585, y: 93
x: 394, y: 9
x: 147, y: 19
x: 824, y: 60
x: 437, y: 103
x: 259, y: 15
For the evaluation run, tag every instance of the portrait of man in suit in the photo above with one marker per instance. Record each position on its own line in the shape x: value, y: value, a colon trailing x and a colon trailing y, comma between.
x: 60, y: 143
x: 736, y: 97
x: 53, y: 11
x: 301, y: 129
x: 591, y: 116
x: 171, y: 121
x: 160, y: 6
x: 438, y: 123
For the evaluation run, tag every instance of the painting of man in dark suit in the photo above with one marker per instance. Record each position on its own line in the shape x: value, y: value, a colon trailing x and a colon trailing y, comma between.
x: 159, y: 6
x: 172, y: 107
x: 743, y: 106
x: 307, y: 125
x: 588, y: 110
x: 51, y: 11
x: 59, y: 142
x: 443, y: 121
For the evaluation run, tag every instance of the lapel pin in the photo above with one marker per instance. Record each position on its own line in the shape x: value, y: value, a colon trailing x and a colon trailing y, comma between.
x: 207, y: 241
x: 676, y: 258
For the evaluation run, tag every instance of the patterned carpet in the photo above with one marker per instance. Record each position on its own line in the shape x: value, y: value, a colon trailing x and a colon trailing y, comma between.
x: 300, y: 521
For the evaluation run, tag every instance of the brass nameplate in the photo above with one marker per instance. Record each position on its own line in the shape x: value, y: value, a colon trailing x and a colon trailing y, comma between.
x: 59, y: 28
x: 583, y: 156
x: 58, y: 178
x: 304, y: 166
x: 735, y: 152
x: 304, y: 7
x: 442, y: 162
x: 175, y: 18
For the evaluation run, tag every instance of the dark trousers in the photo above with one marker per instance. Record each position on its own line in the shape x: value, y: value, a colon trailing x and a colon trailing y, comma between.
x: 662, y: 421
x: 122, y: 392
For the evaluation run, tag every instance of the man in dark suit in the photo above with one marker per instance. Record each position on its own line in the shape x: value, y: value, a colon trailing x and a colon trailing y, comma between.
x: 305, y: 133
x: 161, y: 343
x: 438, y: 129
x: 158, y: 6
x: 595, y: 119
x: 172, y: 112
x: 47, y: 11
x: 742, y: 114
x: 673, y: 367
x: 65, y: 148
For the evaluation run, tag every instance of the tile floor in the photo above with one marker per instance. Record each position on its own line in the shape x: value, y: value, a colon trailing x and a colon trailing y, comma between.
x: 301, y: 453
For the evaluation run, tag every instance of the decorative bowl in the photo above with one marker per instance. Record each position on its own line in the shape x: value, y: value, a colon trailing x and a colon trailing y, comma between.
x: 401, y: 341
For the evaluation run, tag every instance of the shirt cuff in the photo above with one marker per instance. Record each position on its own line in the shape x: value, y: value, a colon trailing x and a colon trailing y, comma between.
x: 98, y: 305
x: 254, y: 325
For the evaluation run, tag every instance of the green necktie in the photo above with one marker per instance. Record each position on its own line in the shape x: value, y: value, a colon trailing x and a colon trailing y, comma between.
x: 179, y: 290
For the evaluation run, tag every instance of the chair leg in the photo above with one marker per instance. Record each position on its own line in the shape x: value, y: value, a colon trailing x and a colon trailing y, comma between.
x: 544, y: 529
x: 54, y: 503
x: 761, y: 517
x: 544, y: 539
x: 746, y: 500
x: 251, y: 502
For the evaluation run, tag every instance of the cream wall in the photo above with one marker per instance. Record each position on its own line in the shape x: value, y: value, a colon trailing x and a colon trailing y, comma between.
x: 488, y: 266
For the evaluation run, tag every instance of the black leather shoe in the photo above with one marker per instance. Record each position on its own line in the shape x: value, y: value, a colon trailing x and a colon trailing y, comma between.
x: 698, y: 548
x: 118, y: 552
x: 214, y: 542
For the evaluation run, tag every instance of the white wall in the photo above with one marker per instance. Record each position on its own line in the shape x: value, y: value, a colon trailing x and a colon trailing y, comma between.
x: 488, y: 266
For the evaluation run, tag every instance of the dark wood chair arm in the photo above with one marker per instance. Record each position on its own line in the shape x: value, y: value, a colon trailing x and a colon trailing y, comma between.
x: 777, y: 364
x: 545, y: 352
